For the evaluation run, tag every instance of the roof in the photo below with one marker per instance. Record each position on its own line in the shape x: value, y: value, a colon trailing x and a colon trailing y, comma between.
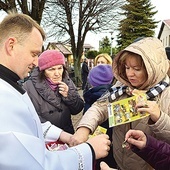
x: 65, y: 49
x: 60, y: 47
x: 87, y: 46
x: 164, y: 22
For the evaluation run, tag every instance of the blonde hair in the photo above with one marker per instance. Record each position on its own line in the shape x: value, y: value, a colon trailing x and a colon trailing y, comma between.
x: 18, y: 25
x: 104, y: 55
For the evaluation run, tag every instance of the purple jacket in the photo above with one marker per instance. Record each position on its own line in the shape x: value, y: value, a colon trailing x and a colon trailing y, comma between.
x: 156, y: 153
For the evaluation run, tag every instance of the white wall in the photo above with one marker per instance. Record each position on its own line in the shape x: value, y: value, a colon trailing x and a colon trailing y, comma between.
x: 165, y: 36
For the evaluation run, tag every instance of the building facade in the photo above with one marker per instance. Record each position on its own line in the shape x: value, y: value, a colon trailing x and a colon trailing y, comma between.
x: 164, y: 33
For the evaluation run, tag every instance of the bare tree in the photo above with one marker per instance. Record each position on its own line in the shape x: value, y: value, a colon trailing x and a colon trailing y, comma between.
x: 33, y: 8
x: 71, y: 20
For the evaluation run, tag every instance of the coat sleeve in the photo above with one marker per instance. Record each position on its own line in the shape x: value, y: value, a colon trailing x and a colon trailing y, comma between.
x: 19, y: 151
x: 22, y: 145
x: 162, y: 126
x: 95, y: 115
x: 156, y: 153
x: 51, y: 133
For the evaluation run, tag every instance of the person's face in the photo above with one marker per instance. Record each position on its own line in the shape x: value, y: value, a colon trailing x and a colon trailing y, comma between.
x: 55, y: 73
x: 101, y: 60
x: 135, y: 70
x: 26, y: 54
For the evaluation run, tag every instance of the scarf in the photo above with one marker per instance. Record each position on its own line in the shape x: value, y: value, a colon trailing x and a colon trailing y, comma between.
x: 115, y: 92
x: 52, y: 85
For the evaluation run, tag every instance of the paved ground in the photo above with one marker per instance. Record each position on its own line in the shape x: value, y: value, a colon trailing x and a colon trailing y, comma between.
x: 76, y: 118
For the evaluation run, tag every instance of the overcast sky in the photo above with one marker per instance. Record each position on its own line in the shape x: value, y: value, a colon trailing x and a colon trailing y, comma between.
x: 163, y: 11
x: 163, y: 7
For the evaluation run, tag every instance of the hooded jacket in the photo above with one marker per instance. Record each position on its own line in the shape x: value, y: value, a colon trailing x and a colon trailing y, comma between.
x: 52, y: 106
x: 156, y: 63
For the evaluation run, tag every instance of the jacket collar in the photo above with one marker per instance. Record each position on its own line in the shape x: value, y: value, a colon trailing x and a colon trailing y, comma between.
x: 11, y: 77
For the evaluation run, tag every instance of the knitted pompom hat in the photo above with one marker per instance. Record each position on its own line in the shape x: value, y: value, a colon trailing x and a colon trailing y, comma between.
x: 100, y: 75
x: 50, y: 58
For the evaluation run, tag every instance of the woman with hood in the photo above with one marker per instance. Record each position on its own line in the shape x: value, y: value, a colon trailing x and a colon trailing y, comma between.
x: 143, y: 65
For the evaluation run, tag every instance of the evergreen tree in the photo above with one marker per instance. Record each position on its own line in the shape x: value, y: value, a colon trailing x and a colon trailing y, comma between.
x: 91, y: 54
x: 104, y: 45
x: 138, y: 22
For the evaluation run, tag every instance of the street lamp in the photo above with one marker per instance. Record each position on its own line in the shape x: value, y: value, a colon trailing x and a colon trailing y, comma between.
x: 111, y: 39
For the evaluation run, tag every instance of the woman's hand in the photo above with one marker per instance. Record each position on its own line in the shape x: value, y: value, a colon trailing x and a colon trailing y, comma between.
x: 150, y: 107
x: 63, y: 88
x: 137, y: 138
